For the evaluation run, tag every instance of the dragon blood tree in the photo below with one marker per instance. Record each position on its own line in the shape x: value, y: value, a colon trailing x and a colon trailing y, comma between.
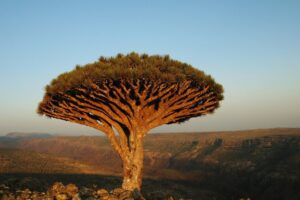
x: 126, y: 96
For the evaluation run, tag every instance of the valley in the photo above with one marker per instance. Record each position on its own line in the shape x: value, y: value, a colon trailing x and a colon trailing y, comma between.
x: 225, y: 165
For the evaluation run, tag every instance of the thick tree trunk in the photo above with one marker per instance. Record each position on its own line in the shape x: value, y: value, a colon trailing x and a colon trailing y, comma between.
x: 133, y: 167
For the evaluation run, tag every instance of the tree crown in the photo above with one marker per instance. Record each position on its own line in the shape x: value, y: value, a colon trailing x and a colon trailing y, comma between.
x: 132, y: 66
x: 128, y: 95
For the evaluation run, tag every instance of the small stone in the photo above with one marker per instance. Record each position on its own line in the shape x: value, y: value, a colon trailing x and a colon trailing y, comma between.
x: 25, y: 194
x: 71, y: 190
x: 102, y: 192
x: 61, y: 197
x: 76, y: 197
x: 27, y: 191
x: 36, y: 196
x: 58, y: 187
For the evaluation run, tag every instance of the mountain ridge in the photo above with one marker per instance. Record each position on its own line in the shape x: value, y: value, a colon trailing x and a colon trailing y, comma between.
x: 27, y: 135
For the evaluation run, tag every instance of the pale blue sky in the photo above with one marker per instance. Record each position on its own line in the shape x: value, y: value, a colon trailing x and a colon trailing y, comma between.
x: 251, y: 47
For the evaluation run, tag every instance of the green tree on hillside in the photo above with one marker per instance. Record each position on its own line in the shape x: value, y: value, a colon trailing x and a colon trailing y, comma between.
x: 126, y: 96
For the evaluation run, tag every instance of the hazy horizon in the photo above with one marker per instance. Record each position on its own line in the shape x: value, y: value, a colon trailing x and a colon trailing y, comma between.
x: 251, y: 47
x: 97, y: 133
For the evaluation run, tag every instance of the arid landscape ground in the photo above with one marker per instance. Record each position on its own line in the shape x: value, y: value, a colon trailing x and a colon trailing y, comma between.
x: 256, y: 164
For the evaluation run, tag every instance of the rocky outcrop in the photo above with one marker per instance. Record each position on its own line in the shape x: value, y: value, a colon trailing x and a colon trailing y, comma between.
x: 59, y: 191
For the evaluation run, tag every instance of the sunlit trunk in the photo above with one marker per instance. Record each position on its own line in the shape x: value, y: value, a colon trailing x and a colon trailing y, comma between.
x: 133, y: 166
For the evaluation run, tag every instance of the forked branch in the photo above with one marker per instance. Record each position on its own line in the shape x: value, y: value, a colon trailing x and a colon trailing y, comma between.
x: 130, y: 108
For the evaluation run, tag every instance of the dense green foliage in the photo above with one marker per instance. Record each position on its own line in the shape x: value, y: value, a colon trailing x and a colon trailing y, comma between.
x: 132, y: 66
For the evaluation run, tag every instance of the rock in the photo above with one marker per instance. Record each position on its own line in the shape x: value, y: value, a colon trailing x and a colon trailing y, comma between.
x: 76, y: 197
x: 61, y: 192
x: 25, y: 194
x: 56, y: 189
x: 102, y: 192
x: 61, y: 197
x: 71, y: 190
x: 36, y: 196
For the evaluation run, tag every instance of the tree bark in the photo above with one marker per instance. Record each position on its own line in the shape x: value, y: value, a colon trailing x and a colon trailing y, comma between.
x: 133, y: 166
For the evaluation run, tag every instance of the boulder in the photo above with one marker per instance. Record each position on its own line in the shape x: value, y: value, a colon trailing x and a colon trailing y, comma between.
x: 71, y: 190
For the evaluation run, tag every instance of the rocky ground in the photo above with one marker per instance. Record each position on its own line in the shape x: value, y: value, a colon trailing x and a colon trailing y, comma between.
x: 59, y: 191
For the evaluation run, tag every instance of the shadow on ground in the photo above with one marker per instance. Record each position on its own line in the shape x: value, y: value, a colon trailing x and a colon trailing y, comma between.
x: 42, y: 182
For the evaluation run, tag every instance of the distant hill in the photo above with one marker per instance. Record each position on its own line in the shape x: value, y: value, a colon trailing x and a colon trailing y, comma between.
x: 27, y: 135
x: 22, y: 161
x: 168, y: 155
x: 13, y: 139
x: 236, y: 164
